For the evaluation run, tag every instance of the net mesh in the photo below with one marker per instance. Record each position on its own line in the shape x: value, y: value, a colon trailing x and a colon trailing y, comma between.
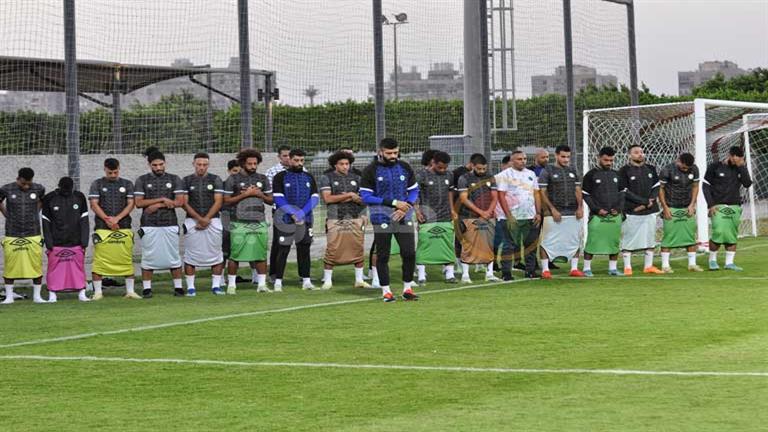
x: 667, y: 130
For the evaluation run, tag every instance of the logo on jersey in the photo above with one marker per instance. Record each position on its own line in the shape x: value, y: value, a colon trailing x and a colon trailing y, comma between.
x: 353, y: 183
x: 56, y: 208
x: 33, y: 195
x: 259, y: 184
x: 402, y: 177
x: 690, y: 176
x: 122, y: 189
x: 168, y: 185
x: 75, y: 206
x: 210, y: 187
x: 572, y: 175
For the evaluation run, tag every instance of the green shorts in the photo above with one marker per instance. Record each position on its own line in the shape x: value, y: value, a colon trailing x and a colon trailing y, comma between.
x: 603, y: 235
x: 680, y: 231
x: 436, y: 241
x: 248, y: 241
x: 725, y: 224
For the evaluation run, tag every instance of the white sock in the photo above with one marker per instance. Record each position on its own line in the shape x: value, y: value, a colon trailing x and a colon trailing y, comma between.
x: 489, y: 269
x: 464, y: 270
x: 36, y: 290
x: 190, y: 282
x: 587, y: 264
x: 612, y: 264
x: 327, y: 275
x: 407, y: 286
x: 231, y: 280
x: 9, y: 293
x: 147, y: 284
x: 97, y: 287
x: 129, y: 283
x: 449, y: 272
x: 358, y: 274
x: 691, y: 258
x: 385, y: 290
x: 627, y: 260
x: 254, y: 273
x: 665, y: 259
x: 261, y: 279
x: 278, y: 282
x: 177, y: 283
x: 216, y: 281
x: 713, y: 256
x: 648, y: 259
x: 422, y: 271
x: 374, y: 275
x: 544, y: 264
x: 306, y: 281
x: 729, y: 257
x: 574, y: 263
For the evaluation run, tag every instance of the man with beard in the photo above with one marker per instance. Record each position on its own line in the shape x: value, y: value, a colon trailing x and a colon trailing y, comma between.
x: 390, y: 189
x: 112, y: 199
x: 640, y: 183
x: 22, y: 245
x: 677, y: 195
x: 562, y: 229
x: 477, y: 196
x: 722, y: 190
x: 159, y: 193
x: 435, y: 214
x: 344, y: 225
x: 246, y: 194
x: 605, y: 199
x: 296, y: 195
x: 283, y: 163
x: 65, y: 230
x: 202, y: 227
x: 540, y: 161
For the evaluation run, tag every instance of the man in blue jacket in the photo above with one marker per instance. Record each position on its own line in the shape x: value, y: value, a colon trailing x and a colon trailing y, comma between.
x: 295, y: 194
x: 388, y: 186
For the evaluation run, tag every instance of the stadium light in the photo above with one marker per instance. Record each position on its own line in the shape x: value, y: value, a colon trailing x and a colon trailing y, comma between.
x: 401, y: 18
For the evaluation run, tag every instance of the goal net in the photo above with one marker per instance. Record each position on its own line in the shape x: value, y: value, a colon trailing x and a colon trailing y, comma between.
x: 705, y: 128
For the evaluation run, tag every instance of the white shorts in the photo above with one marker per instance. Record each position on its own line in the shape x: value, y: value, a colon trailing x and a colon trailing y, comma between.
x: 202, y: 248
x: 562, y: 239
x: 160, y: 248
x: 638, y: 232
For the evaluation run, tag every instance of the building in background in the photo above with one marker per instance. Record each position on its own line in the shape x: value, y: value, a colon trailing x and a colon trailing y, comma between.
x: 687, y: 81
x: 583, y: 77
x: 443, y: 82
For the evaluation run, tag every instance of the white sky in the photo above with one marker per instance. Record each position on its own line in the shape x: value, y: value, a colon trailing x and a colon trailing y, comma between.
x: 328, y: 43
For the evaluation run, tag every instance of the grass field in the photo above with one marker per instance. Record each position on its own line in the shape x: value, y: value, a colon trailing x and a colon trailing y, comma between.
x: 684, y: 352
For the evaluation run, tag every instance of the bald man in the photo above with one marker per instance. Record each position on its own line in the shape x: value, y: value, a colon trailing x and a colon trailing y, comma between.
x: 540, y: 161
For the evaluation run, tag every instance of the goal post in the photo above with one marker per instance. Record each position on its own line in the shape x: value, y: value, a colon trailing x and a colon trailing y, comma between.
x: 704, y: 127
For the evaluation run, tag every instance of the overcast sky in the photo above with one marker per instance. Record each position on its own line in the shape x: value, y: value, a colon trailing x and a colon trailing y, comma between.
x: 328, y: 43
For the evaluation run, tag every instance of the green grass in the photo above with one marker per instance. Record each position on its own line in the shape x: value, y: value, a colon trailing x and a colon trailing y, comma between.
x: 714, y: 321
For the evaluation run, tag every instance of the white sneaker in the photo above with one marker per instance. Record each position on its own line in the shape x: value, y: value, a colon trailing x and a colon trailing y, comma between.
x: 8, y: 300
x: 465, y: 279
x: 376, y: 284
x: 263, y: 289
x: 362, y: 284
x: 490, y: 277
x: 278, y: 286
x: 97, y: 296
x: 39, y: 300
x: 231, y: 290
x: 328, y: 284
x: 307, y: 286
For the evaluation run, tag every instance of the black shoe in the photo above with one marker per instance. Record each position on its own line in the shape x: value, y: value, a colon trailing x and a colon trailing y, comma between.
x: 531, y: 275
x: 507, y: 277
x: 520, y: 266
x: 178, y: 292
x: 553, y: 266
x: 410, y: 296
x: 146, y: 293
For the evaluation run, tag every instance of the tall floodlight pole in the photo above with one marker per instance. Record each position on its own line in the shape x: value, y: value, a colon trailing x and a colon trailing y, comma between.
x: 246, y: 112
x: 475, y: 85
x: 570, y: 104
x: 400, y: 19
x: 378, y: 72
x: 70, y: 91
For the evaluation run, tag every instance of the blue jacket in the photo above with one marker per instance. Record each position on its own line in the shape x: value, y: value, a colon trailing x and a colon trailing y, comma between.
x: 295, y: 194
x: 381, y: 184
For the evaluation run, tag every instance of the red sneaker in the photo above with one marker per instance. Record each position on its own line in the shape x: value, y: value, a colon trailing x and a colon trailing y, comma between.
x: 388, y: 298
x: 546, y: 275
x: 576, y: 273
x: 409, y: 295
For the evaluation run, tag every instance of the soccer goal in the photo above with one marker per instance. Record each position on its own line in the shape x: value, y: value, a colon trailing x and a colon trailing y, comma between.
x: 705, y: 128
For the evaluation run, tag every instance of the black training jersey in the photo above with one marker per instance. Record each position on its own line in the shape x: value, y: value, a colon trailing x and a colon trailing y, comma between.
x: 339, y: 184
x: 112, y: 196
x: 723, y: 182
x: 201, y: 192
x: 678, y: 185
x: 479, y: 190
x: 151, y: 186
x: 65, y: 219
x: 640, y: 184
x: 560, y: 183
x: 23, y: 211
x: 601, y: 190
x: 434, y: 190
x: 250, y: 209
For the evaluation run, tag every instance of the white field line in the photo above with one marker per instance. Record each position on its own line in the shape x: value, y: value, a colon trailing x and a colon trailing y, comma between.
x: 233, y: 316
x: 497, y: 370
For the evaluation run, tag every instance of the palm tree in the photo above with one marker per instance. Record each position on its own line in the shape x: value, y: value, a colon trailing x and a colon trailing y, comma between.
x: 311, y: 92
